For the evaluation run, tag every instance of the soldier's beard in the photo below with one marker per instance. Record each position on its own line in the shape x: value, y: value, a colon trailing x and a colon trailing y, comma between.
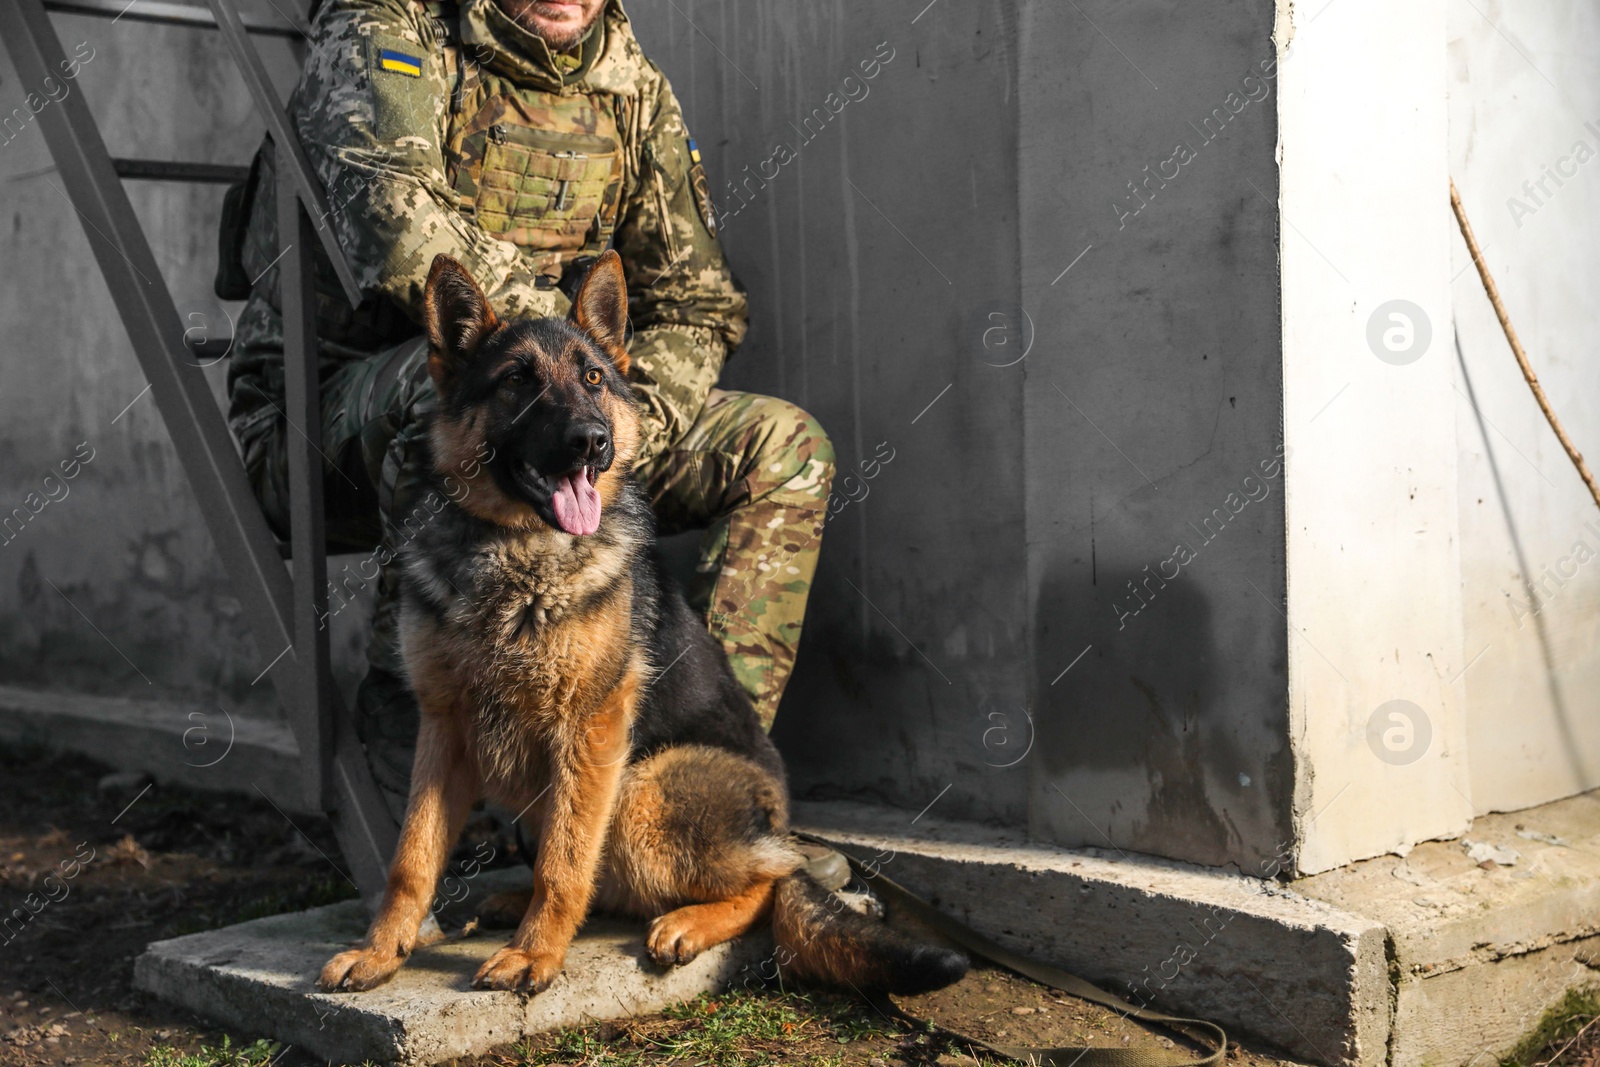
x: 553, y: 22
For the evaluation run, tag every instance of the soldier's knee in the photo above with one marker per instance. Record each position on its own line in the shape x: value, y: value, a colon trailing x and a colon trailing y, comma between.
x: 798, y: 453
x: 821, y: 445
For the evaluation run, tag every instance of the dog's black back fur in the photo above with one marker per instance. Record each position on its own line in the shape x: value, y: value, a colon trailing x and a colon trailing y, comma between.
x: 694, y: 698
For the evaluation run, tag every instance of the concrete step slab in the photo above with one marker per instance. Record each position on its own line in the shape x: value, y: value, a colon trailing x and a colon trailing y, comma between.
x: 1247, y: 953
x: 1482, y: 950
x: 258, y: 977
x: 1434, y: 958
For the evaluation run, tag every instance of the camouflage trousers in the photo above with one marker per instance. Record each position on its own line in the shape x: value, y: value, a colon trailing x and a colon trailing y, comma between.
x: 753, y: 472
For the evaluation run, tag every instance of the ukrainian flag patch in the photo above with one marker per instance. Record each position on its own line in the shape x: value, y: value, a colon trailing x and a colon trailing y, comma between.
x: 400, y: 62
x: 702, y: 189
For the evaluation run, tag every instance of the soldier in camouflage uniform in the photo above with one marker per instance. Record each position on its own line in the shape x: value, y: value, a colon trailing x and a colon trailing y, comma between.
x: 438, y: 128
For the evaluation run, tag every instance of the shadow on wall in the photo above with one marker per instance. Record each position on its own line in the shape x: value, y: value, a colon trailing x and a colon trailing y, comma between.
x: 1127, y: 732
x: 877, y: 718
x: 837, y: 731
x: 1572, y: 748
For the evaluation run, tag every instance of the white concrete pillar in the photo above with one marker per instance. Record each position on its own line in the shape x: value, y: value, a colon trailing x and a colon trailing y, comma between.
x: 1374, y: 600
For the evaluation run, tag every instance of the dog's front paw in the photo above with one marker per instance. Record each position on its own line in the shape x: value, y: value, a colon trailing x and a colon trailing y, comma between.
x: 358, y: 969
x: 517, y: 969
x: 675, y: 938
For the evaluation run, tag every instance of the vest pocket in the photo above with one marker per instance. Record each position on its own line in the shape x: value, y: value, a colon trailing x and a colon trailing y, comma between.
x: 541, y: 189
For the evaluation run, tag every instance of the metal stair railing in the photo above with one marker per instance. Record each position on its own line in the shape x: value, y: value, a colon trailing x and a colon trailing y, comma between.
x: 283, y: 609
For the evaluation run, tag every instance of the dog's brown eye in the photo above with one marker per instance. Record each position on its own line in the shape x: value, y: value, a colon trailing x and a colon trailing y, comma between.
x: 593, y: 376
x: 515, y: 378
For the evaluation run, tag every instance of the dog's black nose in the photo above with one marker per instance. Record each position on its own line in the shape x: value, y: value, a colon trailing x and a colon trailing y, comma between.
x: 588, y: 441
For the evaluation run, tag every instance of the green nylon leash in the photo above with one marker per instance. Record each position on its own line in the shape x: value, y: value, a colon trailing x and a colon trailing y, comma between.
x: 1201, y: 1032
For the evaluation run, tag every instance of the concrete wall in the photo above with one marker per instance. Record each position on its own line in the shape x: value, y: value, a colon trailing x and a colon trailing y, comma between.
x: 1443, y: 659
x: 1052, y: 431
x: 1154, y: 490
x: 873, y: 261
x: 1524, y: 92
x: 1042, y: 278
x: 911, y: 257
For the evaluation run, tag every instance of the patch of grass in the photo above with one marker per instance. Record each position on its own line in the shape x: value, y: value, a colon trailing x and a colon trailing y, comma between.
x: 851, y: 1019
x: 588, y: 1045
x: 727, y: 1030
x: 777, y: 1016
x: 256, y: 1054
x: 1560, y: 1025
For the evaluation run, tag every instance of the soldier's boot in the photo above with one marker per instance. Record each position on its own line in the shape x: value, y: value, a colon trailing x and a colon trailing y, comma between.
x: 827, y: 868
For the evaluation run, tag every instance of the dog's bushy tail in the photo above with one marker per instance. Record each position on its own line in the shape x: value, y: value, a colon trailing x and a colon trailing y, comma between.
x: 822, y: 940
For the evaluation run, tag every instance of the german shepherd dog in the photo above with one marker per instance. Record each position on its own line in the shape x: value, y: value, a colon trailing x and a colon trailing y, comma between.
x: 561, y: 672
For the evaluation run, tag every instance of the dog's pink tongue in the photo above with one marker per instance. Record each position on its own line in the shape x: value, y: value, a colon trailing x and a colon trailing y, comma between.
x: 576, y: 504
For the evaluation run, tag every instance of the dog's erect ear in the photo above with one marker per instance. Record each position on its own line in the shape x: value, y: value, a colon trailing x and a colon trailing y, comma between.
x: 456, y: 315
x: 601, y: 307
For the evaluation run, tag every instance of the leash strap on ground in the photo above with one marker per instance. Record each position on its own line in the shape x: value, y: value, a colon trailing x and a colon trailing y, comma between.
x: 1199, y: 1031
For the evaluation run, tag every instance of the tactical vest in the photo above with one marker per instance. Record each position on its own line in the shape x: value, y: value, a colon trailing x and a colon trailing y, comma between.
x: 541, y: 169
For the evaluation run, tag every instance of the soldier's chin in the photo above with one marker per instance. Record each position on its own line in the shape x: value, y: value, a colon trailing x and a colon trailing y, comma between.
x: 560, y: 25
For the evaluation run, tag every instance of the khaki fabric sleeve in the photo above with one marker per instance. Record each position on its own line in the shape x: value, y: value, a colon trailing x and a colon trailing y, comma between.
x: 370, y: 110
x: 688, y: 310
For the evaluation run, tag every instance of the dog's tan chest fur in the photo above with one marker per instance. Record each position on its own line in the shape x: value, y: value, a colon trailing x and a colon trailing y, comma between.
x: 531, y: 651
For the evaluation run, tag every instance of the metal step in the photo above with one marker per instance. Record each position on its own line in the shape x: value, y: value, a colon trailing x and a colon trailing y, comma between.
x: 167, y: 170
x: 170, y: 14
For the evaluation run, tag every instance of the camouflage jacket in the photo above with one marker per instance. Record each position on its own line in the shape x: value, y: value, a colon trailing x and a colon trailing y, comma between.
x: 444, y: 129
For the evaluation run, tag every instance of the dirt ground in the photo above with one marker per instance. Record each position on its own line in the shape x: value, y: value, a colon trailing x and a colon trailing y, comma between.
x: 111, y: 866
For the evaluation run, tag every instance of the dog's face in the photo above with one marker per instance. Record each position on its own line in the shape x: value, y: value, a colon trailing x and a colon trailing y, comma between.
x: 545, y: 399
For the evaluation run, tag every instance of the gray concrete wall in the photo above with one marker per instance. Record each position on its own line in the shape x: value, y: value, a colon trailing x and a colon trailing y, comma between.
x: 912, y: 255
x: 1154, y: 491
x: 872, y: 261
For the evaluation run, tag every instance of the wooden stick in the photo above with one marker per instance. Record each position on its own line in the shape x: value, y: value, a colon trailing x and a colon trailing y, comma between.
x: 1516, y: 345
